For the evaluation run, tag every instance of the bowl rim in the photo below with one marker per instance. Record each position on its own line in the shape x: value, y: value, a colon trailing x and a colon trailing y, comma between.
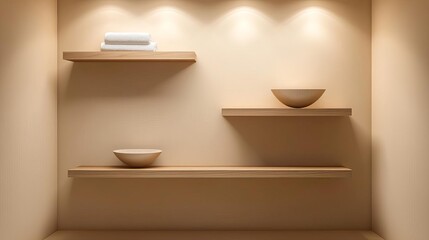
x: 298, y: 89
x: 136, y: 151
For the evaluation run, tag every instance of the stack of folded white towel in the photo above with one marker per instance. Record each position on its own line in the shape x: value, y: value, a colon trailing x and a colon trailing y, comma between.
x: 128, y: 41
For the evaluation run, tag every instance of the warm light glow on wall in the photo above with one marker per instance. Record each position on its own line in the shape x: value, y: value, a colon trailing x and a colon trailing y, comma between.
x: 170, y: 21
x: 313, y: 21
x: 243, y: 24
x: 167, y: 19
x: 110, y: 10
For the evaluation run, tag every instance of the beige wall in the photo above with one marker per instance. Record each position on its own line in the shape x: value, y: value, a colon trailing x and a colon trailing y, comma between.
x: 400, y: 119
x: 28, y: 119
x: 244, y: 49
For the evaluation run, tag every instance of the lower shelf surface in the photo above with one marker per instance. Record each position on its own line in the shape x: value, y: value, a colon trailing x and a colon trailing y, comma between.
x: 209, y: 172
x: 214, y: 235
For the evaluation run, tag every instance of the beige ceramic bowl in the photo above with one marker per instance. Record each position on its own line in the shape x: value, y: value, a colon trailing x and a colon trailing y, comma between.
x: 298, y: 98
x: 137, y: 157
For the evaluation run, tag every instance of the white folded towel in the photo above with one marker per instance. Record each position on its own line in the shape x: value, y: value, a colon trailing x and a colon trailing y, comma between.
x: 127, y: 38
x: 149, y: 47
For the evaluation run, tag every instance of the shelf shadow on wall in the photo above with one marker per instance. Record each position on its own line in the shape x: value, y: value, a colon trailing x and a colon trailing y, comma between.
x: 300, y: 141
x: 120, y: 79
x: 204, y: 204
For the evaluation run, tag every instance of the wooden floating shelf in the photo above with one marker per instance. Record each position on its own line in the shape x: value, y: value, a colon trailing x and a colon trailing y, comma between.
x: 222, y: 235
x: 209, y: 172
x: 286, y: 112
x: 130, y: 56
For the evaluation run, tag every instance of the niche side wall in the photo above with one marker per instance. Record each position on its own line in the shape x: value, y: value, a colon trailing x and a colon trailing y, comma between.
x: 28, y: 119
x: 244, y: 49
x: 400, y: 119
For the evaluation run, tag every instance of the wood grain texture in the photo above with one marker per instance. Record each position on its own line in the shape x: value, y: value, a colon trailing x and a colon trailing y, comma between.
x: 218, y: 235
x: 130, y: 56
x: 209, y: 172
x: 286, y: 112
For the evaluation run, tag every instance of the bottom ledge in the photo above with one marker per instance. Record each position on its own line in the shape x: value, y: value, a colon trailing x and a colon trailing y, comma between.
x: 211, y: 235
x: 209, y: 172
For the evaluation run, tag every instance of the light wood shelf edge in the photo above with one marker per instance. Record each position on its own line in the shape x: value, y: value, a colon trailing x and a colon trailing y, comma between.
x: 225, y: 235
x: 127, y: 56
x: 286, y: 112
x: 209, y: 172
